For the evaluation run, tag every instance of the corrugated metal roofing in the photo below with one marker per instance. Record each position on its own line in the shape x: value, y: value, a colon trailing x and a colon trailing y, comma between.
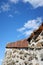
x: 18, y: 44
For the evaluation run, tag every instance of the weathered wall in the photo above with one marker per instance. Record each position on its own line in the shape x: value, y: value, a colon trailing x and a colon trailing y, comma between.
x: 22, y: 57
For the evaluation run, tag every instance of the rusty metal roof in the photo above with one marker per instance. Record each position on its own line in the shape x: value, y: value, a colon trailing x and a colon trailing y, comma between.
x: 18, y: 44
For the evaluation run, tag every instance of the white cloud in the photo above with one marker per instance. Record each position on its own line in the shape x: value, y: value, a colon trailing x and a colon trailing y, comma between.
x: 28, y: 32
x: 30, y: 25
x: 14, y: 1
x: 5, y: 7
x: 11, y: 15
x: 21, y: 29
x: 35, y: 3
x: 16, y: 12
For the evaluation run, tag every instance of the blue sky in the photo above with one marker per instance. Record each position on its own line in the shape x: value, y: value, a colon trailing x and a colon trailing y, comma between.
x: 18, y: 19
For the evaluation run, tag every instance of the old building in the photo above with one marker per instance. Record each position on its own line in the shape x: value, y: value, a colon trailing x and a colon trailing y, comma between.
x: 26, y: 52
